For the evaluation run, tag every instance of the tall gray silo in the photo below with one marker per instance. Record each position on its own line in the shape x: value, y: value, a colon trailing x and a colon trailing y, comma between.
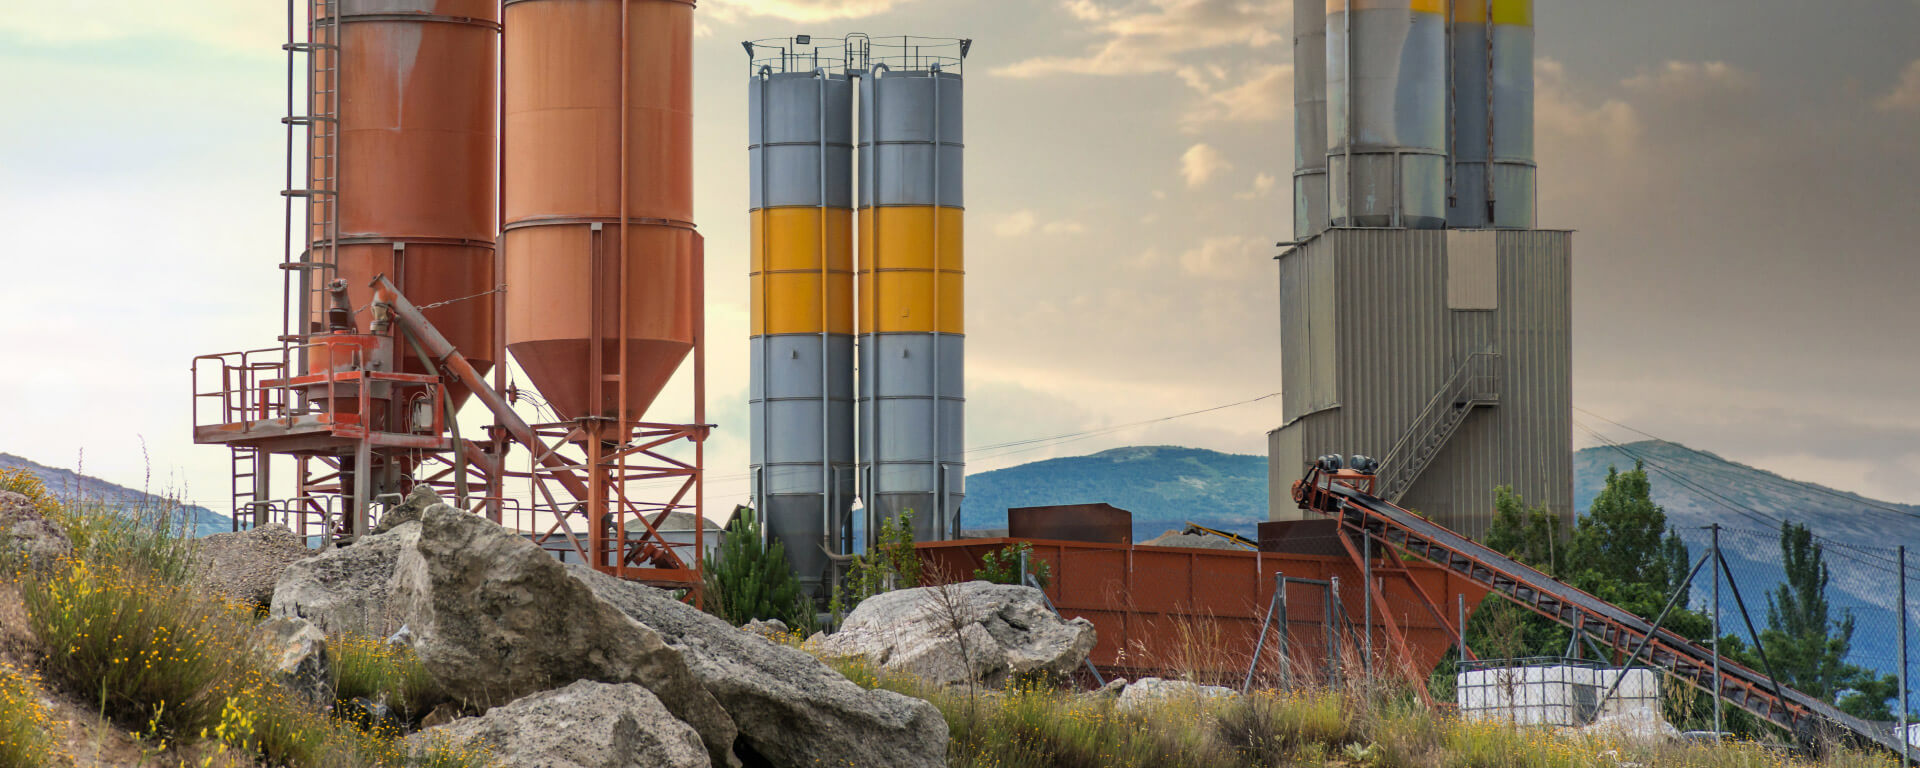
x: 1491, y: 115
x: 1445, y: 354
x: 1309, y: 118
x: 911, y: 276
x: 800, y: 134
x: 1386, y: 113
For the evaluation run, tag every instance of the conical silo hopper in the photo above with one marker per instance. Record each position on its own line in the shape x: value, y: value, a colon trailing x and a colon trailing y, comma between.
x: 574, y: 158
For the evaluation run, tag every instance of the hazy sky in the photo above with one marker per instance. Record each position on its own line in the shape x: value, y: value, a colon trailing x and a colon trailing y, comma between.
x: 1744, y: 177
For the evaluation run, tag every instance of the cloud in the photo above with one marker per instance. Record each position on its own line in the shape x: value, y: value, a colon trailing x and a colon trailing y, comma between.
x: 1905, y: 96
x: 730, y: 11
x: 1263, y: 95
x: 1562, y: 113
x: 1015, y: 224
x: 236, y: 25
x: 1025, y: 222
x: 1689, y: 80
x: 1228, y: 256
x: 1200, y: 163
x: 1151, y: 35
x: 1263, y: 185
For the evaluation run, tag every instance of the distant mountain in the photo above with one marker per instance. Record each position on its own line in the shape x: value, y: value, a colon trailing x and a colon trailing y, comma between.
x: 67, y: 483
x: 1163, y: 486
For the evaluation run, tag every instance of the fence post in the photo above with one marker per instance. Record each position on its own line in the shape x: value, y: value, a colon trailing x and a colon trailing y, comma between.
x: 1332, y: 596
x: 1366, y: 601
x: 1906, y: 716
x: 1716, y: 635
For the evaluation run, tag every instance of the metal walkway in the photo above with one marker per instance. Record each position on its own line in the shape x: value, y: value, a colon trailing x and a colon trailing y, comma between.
x: 1347, y: 496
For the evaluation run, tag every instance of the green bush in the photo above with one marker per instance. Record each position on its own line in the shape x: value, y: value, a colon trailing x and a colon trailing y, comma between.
x: 892, y: 564
x: 26, y: 740
x: 753, y: 580
x: 368, y: 667
x: 1003, y: 566
x: 151, y: 654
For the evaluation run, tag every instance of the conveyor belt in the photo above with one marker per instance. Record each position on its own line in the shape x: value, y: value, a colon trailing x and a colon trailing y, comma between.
x: 1805, y: 716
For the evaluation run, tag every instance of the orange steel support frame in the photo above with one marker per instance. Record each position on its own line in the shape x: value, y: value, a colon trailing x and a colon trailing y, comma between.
x: 588, y: 480
x: 1161, y: 610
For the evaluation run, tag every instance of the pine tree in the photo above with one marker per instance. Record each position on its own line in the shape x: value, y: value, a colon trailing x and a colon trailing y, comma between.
x: 749, y: 580
x: 1623, y: 552
x: 1806, y: 643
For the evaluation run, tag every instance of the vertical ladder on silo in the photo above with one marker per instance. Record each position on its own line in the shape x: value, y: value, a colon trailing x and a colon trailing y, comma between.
x: 319, y: 238
x: 246, y: 485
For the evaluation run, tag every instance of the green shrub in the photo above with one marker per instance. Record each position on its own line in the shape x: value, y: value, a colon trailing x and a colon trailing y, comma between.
x: 892, y: 564
x: 369, y: 667
x: 1003, y: 566
x: 152, y: 654
x: 753, y: 580
x: 26, y: 739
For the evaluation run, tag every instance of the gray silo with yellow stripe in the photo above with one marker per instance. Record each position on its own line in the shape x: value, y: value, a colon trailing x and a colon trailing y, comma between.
x: 911, y: 284
x: 800, y: 118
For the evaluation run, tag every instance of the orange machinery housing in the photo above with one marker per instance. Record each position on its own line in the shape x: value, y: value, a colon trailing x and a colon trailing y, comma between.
x: 1168, y: 610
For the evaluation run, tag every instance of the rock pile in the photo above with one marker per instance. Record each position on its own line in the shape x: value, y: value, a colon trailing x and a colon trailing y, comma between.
x: 1002, y: 631
x: 569, y: 667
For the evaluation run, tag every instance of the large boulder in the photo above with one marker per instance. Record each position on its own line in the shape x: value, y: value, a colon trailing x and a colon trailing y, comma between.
x: 408, y: 510
x: 347, y: 589
x: 26, y: 532
x: 246, y: 565
x: 584, y: 725
x: 1007, y: 632
x: 1153, y: 692
x: 296, y: 655
x: 792, y: 709
x: 495, y: 618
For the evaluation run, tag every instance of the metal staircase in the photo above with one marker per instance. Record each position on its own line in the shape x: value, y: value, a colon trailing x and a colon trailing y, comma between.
x: 1475, y: 383
x: 1347, y: 497
x: 247, y: 483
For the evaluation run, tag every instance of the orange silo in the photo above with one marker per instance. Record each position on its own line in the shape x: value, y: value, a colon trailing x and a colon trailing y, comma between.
x: 403, y: 146
x: 599, y: 120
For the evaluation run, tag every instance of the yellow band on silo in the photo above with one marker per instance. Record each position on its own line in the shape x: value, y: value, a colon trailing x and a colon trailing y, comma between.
x: 1417, y: 6
x: 786, y: 295
x: 1515, y: 12
x: 898, y: 243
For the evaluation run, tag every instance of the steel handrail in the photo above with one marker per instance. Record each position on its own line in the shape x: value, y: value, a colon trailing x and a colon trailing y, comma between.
x: 1438, y: 409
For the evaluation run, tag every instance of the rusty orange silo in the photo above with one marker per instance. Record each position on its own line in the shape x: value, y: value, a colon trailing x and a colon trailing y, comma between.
x: 401, y: 115
x: 599, y: 118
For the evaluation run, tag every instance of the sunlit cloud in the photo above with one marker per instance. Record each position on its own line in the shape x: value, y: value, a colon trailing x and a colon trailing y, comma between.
x: 1905, y: 96
x: 1263, y: 185
x: 730, y: 11
x: 1200, y: 163
x: 1153, y: 35
x: 1264, y: 94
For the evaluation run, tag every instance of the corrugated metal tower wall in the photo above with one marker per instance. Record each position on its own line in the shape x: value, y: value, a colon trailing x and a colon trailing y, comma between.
x: 1376, y: 323
x: 911, y: 301
x: 800, y: 133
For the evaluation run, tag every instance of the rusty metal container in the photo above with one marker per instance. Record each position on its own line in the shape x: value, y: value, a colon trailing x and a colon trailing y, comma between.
x: 1161, y: 610
x: 573, y: 156
x: 410, y: 166
x: 1097, y: 523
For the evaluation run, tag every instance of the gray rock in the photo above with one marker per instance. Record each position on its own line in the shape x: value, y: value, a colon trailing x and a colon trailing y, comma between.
x: 296, y: 655
x: 408, y: 510
x: 1007, y: 632
x: 584, y: 725
x: 771, y: 629
x: 1111, y: 690
x: 495, y: 618
x: 1636, y: 724
x: 347, y: 589
x: 24, y: 531
x: 792, y: 709
x: 1153, y: 691
x: 245, y: 566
